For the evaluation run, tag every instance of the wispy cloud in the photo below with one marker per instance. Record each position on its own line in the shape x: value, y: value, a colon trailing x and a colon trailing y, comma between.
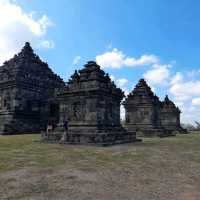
x: 76, y: 60
x: 121, y: 82
x: 117, y: 59
x: 196, y: 101
x: 158, y: 74
x: 47, y: 44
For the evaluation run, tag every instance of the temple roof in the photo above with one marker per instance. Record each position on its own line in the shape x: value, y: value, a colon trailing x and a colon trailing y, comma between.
x: 142, y: 94
x: 90, y: 72
x: 168, y: 104
x: 142, y: 89
x: 92, y: 69
x: 92, y: 77
x: 26, y: 54
x: 27, y: 50
x: 92, y: 65
x: 26, y: 66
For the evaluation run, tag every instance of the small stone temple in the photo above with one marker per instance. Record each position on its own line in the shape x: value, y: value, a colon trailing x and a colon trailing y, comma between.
x: 170, y: 115
x: 91, y: 103
x: 147, y: 115
x: 27, y: 93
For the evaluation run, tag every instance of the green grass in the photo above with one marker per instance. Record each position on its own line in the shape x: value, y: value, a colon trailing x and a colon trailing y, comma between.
x: 26, y: 150
x: 30, y: 169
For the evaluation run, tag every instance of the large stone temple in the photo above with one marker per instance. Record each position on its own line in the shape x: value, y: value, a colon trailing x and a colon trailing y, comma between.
x: 32, y: 96
x: 27, y: 93
x: 147, y: 115
x: 91, y: 103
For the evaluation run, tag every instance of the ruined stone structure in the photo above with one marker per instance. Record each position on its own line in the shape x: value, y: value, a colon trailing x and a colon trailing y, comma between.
x: 31, y: 95
x: 91, y: 104
x: 147, y: 115
x: 170, y: 116
x: 27, y: 93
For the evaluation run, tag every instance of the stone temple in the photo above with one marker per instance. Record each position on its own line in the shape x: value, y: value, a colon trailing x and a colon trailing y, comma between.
x: 27, y: 93
x: 91, y: 103
x: 147, y: 115
x: 32, y: 96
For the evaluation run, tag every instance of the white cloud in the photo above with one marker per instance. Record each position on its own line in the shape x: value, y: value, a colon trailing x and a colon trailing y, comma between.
x: 180, y: 104
x: 177, y: 78
x: 46, y: 44
x: 122, y: 112
x: 190, y: 114
x: 76, y: 60
x: 18, y: 26
x: 193, y: 73
x: 126, y: 91
x: 117, y: 59
x: 121, y: 82
x: 112, y: 77
x: 185, y: 90
x: 158, y: 74
x: 153, y: 89
x: 196, y: 101
x: 186, y: 93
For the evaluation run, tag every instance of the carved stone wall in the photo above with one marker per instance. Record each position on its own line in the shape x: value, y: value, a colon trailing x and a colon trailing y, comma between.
x: 27, y: 92
x: 170, y: 115
x: 91, y: 104
x: 146, y: 114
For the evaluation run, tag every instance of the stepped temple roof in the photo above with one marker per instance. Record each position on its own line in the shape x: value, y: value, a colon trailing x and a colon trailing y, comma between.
x: 92, y: 78
x: 168, y: 104
x: 143, y: 92
x: 27, y: 67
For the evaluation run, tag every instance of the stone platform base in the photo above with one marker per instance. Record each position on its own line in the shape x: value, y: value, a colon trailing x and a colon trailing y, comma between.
x: 103, y: 139
x: 155, y: 132
x: 151, y: 132
x: 182, y: 131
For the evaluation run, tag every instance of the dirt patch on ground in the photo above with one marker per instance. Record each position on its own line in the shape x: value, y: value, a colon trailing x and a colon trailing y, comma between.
x: 153, y: 170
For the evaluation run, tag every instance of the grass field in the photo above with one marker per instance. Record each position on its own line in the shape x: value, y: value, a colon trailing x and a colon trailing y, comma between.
x: 163, y: 169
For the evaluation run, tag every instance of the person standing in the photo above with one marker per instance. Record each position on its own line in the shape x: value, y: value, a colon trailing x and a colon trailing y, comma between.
x: 49, y: 128
x: 65, y: 135
x: 65, y: 124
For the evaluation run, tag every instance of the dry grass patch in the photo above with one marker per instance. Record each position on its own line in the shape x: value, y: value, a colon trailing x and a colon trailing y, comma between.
x: 167, y: 168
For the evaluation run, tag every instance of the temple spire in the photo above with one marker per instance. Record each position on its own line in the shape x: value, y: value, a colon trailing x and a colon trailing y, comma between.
x: 92, y: 65
x: 27, y: 50
x: 167, y: 98
x: 142, y: 88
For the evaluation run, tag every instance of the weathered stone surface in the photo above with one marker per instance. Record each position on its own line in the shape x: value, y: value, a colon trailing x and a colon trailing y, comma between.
x: 170, y: 116
x: 91, y: 103
x: 27, y: 93
x: 30, y: 94
x: 147, y: 115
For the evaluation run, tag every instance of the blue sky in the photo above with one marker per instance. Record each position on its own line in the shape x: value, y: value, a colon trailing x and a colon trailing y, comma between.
x: 156, y: 39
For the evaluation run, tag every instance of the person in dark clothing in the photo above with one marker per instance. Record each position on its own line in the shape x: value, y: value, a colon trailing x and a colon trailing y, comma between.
x: 65, y: 136
x: 65, y: 124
